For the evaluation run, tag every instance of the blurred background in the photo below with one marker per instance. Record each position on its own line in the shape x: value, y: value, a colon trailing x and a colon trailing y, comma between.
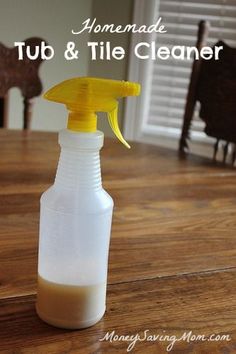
x: 53, y: 21
x: 157, y: 116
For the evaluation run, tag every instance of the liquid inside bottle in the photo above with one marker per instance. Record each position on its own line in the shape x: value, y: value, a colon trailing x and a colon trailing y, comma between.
x: 70, y: 306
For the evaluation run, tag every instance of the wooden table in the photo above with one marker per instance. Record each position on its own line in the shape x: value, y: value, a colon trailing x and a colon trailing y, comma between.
x: 172, y: 262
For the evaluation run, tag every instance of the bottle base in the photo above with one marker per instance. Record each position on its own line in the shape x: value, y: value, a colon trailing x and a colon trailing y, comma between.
x: 60, y: 323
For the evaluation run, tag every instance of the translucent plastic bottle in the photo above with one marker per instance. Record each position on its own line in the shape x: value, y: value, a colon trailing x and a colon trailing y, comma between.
x: 76, y: 214
x: 75, y: 227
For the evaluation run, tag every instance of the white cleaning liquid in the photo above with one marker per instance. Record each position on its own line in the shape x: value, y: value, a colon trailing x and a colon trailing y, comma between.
x: 70, y: 306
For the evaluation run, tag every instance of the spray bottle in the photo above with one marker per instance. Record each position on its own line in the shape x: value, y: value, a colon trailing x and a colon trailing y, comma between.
x: 76, y: 212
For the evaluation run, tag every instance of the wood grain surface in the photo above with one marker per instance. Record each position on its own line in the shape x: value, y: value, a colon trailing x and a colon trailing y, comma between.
x: 172, y: 265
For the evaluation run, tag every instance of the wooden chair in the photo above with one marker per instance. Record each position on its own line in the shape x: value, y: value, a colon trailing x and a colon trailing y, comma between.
x: 213, y: 84
x: 22, y: 74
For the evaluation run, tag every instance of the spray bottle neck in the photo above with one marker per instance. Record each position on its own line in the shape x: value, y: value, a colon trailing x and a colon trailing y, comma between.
x: 79, y: 163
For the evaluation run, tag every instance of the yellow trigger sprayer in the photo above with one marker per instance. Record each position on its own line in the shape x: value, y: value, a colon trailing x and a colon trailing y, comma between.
x: 76, y: 212
x: 85, y: 96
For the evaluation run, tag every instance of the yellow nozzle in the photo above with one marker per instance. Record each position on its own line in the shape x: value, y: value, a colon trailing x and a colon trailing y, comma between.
x: 86, y: 96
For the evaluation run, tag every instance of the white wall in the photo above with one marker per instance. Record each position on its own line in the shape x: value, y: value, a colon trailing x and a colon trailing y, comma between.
x: 53, y: 21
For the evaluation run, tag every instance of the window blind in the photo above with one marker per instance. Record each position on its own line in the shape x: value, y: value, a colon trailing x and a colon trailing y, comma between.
x: 170, y: 78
